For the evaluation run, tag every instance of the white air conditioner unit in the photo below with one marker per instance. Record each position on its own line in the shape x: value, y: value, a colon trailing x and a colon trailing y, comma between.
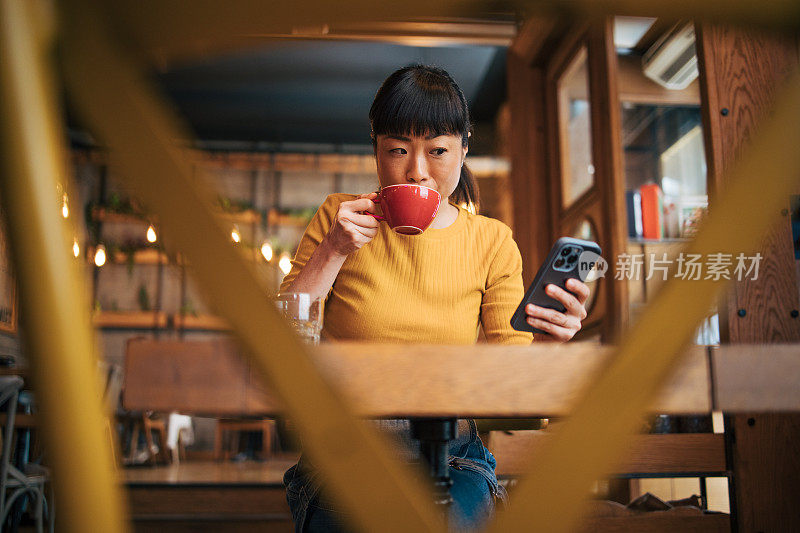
x: 672, y: 60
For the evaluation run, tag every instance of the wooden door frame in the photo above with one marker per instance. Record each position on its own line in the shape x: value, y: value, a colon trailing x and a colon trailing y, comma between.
x: 539, y: 54
x: 603, y: 203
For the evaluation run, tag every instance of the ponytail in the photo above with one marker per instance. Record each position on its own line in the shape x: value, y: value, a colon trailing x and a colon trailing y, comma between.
x: 467, y: 190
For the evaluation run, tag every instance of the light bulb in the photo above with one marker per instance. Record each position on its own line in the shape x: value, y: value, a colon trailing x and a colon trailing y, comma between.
x: 76, y: 248
x: 100, y: 255
x: 285, y: 264
x: 64, y: 206
x: 235, y: 235
x: 266, y: 251
x: 151, y: 234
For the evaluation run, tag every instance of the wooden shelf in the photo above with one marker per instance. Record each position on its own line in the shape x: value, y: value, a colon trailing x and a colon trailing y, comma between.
x: 277, y: 218
x: 153, y: 256
x: 129, y: 319
x: 148, y: 256
x: 201, y: 322
x: 101, y: 214
x: 151, y: 319
x: 248, y: 216
x: 145, y: 256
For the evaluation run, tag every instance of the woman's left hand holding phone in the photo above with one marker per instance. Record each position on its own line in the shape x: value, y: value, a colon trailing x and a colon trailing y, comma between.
x: 560, y: 327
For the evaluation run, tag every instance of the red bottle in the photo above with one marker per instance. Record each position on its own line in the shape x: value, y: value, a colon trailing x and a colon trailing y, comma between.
x: 652, y: 212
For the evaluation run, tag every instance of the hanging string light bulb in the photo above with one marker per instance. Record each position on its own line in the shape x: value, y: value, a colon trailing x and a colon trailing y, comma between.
x: 266, y: 250
x: 76, y: 248
x: 64, y: 205
x: 100, y: 255
x: 285, y: 263
x: 151, y: 234
x: 235, y: 235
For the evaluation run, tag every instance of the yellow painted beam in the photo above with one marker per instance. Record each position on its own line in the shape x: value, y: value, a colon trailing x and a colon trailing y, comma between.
x: 120, y: 107
x: 593, y: 439
x: 59, y: 340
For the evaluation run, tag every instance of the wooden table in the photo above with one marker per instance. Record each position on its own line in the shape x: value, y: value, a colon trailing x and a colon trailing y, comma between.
x: 481, y: 381
x: 485, y: 381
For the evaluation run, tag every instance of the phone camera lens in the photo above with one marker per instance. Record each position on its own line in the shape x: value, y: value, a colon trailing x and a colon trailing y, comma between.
x: 559, y: 263
x: 565, y: 252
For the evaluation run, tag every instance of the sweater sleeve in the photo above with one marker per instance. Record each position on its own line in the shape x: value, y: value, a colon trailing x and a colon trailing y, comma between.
x: 315, y: 232
x: 504, y: 291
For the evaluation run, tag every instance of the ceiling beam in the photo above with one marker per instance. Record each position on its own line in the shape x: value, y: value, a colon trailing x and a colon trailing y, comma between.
x: 166, y: 30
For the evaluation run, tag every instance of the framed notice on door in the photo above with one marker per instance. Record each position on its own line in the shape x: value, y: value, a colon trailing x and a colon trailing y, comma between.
x: 8, y: 285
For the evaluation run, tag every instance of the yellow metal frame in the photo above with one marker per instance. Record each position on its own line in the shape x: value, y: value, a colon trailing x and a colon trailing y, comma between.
x: 54, y: 304
x: 101, y: 75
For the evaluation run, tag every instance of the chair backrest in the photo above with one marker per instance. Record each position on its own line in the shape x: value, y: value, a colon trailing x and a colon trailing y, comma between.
x: 9, y: 394
x: 113, y: 388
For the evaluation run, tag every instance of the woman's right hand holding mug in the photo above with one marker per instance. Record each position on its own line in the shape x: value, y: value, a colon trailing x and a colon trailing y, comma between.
x: 352, y: 228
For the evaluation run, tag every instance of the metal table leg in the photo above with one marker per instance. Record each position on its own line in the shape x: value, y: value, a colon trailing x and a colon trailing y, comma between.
x: 434, y: 435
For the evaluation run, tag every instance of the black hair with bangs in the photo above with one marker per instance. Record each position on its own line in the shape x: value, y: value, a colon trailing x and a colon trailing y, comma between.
x: 423, y: 100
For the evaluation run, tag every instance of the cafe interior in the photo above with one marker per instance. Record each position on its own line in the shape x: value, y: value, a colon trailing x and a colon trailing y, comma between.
x: 161, y: 164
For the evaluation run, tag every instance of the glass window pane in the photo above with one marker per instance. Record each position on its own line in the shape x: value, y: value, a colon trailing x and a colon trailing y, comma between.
x: 663, y: 147
x: 577, y: 167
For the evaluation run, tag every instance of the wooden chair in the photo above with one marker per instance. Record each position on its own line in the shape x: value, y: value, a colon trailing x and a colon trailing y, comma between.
x: 147, y: 423
x: 111, y: 375
x: 235, y: 426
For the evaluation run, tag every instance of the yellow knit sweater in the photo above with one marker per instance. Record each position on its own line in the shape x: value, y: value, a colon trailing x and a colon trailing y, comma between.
x: 436, y: 288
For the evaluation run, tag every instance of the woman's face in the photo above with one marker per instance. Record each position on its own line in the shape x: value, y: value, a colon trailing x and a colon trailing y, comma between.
x: 434, y: 162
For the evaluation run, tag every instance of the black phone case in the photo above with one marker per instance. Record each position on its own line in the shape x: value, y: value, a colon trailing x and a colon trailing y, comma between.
x: 548, y: 274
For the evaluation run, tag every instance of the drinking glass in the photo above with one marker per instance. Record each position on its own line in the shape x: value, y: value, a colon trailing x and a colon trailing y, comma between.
x: 303, y: 313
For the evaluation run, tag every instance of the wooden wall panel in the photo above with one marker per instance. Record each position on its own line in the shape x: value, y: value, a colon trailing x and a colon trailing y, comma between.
x: 740, y: 72
x: 528, y: 177
x: 609, y: 165
x: 766, y: 469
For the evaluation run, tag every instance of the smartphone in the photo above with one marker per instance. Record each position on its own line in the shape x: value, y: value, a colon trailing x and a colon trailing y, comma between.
x: 566, y: 260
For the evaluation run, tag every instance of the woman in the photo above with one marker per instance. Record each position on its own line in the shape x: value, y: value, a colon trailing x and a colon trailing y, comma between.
x: 462, y: 273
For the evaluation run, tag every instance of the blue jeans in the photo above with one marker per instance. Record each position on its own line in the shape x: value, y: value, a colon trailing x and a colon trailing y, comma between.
x: 475, y: 491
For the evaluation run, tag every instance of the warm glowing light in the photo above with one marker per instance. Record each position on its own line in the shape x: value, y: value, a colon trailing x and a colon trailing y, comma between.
x: 266, y: 251
x: 64, y: 206
x: 100, y: 255
x: 469, y: 207
x: 76, y: 248
x: 285, y: 263
x: 235, y: 235
x: 151, y: 234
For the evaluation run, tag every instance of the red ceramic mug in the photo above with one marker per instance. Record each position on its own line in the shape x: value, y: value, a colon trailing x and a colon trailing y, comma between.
x: 408, y: 209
